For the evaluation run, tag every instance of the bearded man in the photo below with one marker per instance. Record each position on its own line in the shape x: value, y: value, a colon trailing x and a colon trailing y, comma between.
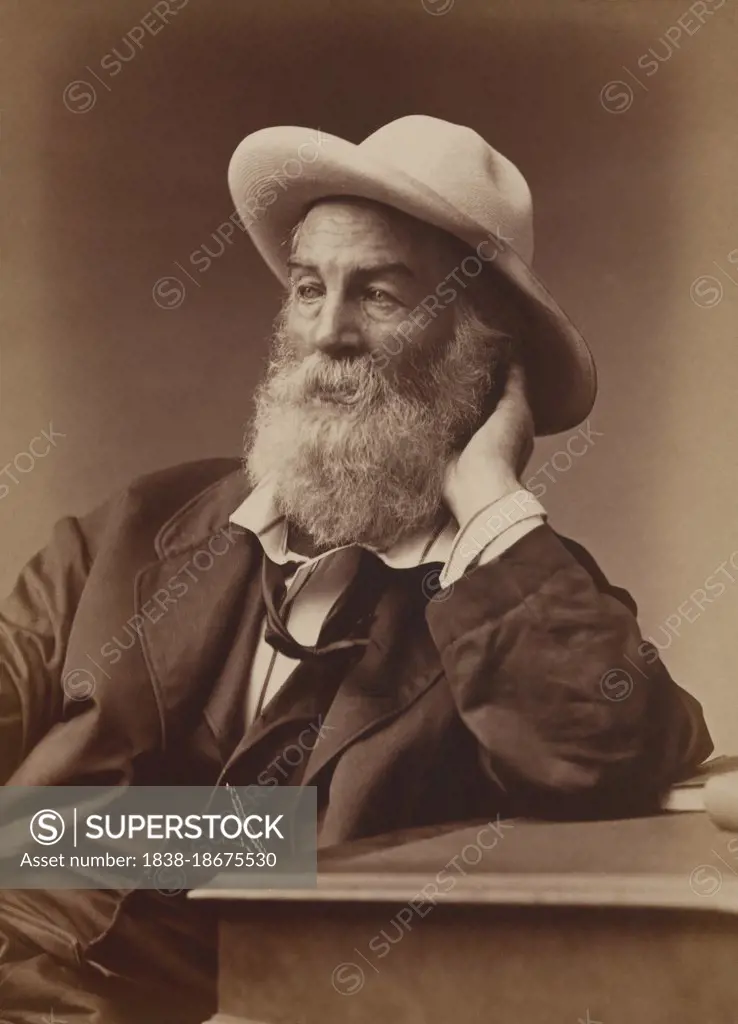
x: 385, y: 597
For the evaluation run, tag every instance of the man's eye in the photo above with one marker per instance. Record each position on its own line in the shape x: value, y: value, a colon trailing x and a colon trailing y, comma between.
x: 381, y: 297
x: 308, y: 292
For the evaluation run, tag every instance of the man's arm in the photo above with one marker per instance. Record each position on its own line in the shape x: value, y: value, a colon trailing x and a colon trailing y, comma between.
x: 35, y: 620
x: 575, y: 714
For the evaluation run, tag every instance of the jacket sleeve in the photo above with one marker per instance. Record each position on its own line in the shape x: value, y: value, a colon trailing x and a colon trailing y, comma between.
x: 575, y: 714
x: 35, y: 620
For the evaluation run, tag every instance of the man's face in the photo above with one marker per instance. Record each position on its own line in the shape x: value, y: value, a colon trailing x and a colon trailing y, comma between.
x: 358, y: 275
x: 363, y: 406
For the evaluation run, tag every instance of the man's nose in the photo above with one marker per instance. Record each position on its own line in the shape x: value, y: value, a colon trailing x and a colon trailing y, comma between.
x: 337, y: 331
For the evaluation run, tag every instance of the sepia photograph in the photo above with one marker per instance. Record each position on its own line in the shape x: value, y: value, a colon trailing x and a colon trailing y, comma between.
x: 368, y: 493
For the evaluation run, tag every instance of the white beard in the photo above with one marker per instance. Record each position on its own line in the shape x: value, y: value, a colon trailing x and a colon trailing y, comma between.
x: 356, y: 458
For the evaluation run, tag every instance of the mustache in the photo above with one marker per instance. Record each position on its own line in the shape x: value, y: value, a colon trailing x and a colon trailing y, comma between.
x: 300, y: 380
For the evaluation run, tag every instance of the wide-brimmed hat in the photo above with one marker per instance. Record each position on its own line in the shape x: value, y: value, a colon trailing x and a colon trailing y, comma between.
x: 446, y: 175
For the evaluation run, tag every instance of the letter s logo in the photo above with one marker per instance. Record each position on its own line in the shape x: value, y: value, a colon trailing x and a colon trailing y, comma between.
x: 47, y: 827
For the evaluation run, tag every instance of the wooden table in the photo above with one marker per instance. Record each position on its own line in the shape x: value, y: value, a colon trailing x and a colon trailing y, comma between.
x: 621, y: 922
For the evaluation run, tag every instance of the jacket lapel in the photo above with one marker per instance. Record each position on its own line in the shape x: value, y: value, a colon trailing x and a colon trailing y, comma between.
x: 389, y: 676
x: 200, y: 607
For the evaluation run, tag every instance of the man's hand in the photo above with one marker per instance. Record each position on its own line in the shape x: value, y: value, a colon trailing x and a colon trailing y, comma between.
x: 495, y: 457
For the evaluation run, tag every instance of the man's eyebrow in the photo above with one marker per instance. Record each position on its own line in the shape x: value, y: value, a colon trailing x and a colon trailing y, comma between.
x: 380, y: 269
x: 293, y: 264
x: 367, y: 270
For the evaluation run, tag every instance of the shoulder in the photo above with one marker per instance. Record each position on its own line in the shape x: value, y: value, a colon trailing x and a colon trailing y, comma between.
x: 149, y: 503
x: 175, y: 486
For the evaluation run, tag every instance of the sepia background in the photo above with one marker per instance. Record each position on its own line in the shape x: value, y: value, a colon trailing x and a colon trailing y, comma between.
x: 114, y: 144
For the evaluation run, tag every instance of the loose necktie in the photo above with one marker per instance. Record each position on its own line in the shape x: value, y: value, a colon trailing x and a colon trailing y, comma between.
x: 279, y: 637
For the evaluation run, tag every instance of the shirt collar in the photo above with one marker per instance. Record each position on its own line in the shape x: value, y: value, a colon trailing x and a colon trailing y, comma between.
x: 259, y: 515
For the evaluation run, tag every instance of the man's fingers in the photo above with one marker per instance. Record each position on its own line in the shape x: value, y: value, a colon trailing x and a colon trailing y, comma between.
x: 515, y: 385
x: 515, y: 413
x: 514, y: 401
x: 525, y: 454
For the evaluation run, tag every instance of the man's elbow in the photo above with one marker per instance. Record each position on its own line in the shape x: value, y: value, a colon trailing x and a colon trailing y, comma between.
x: 576, y: 790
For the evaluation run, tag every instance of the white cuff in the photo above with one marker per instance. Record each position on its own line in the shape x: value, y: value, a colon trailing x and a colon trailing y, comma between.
x: 490, y: 531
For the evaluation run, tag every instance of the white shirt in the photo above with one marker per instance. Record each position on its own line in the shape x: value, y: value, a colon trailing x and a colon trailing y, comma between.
x: 316, y: 585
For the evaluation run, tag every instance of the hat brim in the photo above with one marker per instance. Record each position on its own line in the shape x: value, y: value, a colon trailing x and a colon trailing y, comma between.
x: 275, y: 174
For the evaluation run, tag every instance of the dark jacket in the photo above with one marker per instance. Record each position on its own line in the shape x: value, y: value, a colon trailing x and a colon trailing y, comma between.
x: 527, y: 690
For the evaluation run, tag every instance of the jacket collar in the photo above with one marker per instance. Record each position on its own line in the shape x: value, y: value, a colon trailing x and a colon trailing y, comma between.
x: 203, y: 515
x: 230, y: 500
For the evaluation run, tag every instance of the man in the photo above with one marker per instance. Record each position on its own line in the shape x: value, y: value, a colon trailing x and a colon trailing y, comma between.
x: 387, y: 602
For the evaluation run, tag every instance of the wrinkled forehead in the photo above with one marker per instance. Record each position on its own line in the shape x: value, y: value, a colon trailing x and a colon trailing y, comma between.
x: 350, y: 230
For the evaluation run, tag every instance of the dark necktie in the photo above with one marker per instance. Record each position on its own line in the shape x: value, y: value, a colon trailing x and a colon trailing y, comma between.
x: 351, y: 612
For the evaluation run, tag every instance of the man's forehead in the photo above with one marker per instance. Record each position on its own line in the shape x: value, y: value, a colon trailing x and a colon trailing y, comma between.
x: 361, y: 230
